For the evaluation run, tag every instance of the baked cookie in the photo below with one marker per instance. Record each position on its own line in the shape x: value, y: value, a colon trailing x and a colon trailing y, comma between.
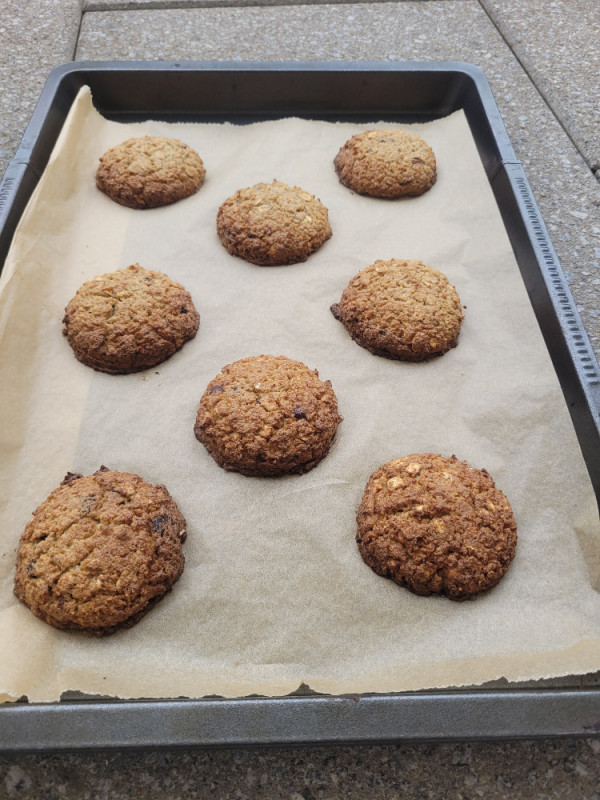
x: 401, y: 309
x: 267, y: 416
x: 129, y: 320
x: 272, y: 224
x: 100, y: 552
x: 436, y: 526
x: 386, y: 163
x: 150, y: 171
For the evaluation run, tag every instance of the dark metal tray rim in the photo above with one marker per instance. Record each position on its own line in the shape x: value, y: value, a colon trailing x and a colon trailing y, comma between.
x: 451, y: 715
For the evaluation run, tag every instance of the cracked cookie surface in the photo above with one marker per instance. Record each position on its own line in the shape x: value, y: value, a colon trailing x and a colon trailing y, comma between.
x: 129, y: 320
x: 273, y: 224
x: 386, y: 163
x: 436, y: 526
x: 401, y: 309
x: 150, y: 171
x: 99, y: 552
x: 267, y: 416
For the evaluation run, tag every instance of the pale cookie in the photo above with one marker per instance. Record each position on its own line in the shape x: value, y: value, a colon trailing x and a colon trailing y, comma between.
x: 272, y: 224
x: 129, y: 320
x: 436, y: 526
x: 150, y: 171
x: 100, y: 552
x: 386, y: 163
x: 401, y: 309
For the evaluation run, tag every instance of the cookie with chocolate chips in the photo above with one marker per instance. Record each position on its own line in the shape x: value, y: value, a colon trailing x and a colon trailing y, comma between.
x: 267, y: 416
x: 436, y: 526
x: 100, y: 552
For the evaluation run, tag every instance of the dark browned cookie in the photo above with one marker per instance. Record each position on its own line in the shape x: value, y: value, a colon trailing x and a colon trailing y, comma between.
x: 272, y: 224
x: 129, y: 320
x: 267, y: 416
x: 401, y: 309
x: 436, y: 526
x: 150, y: 171
x: 100, y: 551
x: 386, y: 163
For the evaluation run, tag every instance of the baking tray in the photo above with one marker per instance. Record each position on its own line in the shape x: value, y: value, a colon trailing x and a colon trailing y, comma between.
x: 350, y: 91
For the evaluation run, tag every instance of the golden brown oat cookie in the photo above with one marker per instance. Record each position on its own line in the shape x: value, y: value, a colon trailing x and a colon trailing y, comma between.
x: 150, y: 171
x: 401, y: 309
x: 129, y: 320
x: 436, y: 526
x: 99, y: 552
x: 267, y: 416
x: 386, y: 163
x: 273, y: 224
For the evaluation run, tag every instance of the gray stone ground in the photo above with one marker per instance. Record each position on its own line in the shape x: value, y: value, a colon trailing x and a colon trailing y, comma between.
x: 543, y: 64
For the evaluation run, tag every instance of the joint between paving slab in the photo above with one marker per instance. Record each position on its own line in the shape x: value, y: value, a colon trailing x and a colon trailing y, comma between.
x: 78, y: 33
x: 531, y: 74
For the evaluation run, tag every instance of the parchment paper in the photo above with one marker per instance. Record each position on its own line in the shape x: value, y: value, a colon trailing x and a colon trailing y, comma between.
x: 274, y: 592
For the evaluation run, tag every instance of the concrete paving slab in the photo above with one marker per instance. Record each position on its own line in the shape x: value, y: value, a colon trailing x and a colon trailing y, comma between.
x: 34, y: 37
x: 568, y: 193
x: 558, y: 44
x: 436, y: 771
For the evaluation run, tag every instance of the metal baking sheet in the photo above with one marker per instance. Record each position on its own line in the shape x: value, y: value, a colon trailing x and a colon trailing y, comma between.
x: 395, y: 91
